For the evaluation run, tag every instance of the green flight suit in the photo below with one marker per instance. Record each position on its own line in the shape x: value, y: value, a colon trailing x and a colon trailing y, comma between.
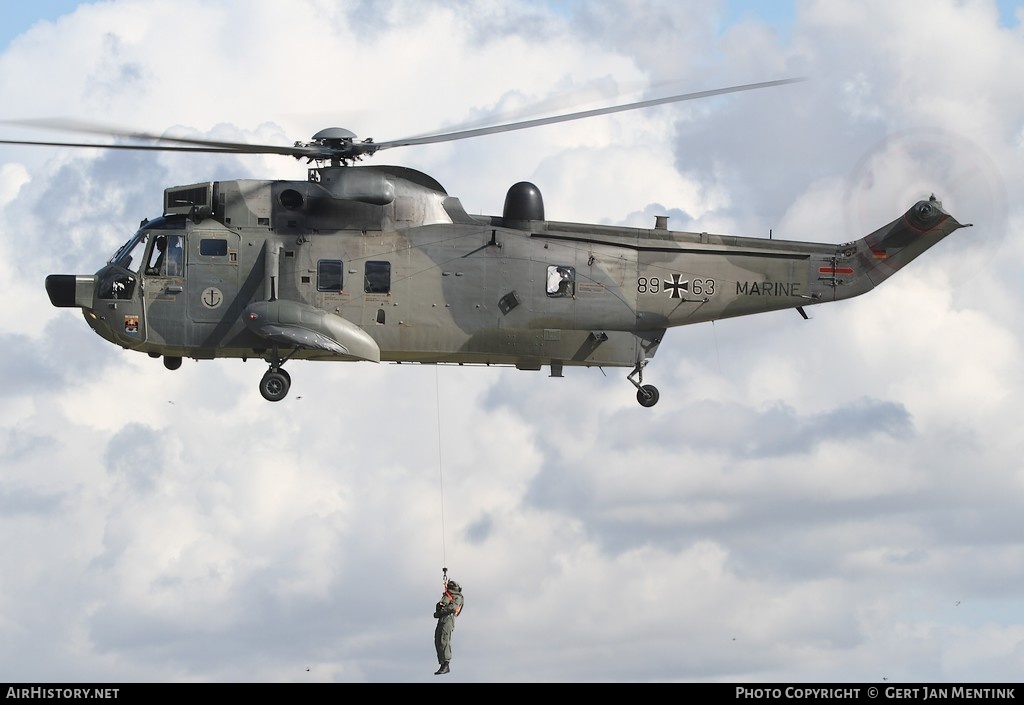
x: 446, y: 610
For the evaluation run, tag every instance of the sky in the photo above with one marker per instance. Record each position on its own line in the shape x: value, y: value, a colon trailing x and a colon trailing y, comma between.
x: 826, y: 500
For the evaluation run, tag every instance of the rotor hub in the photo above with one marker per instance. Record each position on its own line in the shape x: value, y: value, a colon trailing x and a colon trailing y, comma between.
x: 336, y: 144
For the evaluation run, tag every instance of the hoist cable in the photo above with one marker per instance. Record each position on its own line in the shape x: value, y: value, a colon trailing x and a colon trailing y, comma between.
x: 440, y: 470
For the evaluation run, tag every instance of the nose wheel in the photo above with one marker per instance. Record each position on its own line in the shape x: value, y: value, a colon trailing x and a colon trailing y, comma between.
x: 646, y: 394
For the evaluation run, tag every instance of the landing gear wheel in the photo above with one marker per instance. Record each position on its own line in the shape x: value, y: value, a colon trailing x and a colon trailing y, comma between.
x: 172, y: 363
x: 274, y: 385
x: 647, y: 395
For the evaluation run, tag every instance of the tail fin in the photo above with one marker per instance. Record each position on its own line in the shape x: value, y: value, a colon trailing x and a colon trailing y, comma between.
x: 876, y: 257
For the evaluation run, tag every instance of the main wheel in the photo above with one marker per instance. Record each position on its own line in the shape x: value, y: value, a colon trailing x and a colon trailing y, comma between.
x: 647, y: 395
x: 274, y: 385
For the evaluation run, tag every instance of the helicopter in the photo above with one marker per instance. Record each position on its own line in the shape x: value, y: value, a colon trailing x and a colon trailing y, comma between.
x: 381, y: 264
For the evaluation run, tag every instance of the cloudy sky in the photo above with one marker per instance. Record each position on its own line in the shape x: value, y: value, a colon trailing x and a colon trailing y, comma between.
x: 832, y: 500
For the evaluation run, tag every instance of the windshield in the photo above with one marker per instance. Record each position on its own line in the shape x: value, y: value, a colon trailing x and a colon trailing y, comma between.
x: 131, y: 251
x: 123, y: 257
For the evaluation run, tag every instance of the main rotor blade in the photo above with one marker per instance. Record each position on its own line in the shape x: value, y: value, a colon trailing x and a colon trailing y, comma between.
x: 464, y: 134
x: 333, y: 148
x: 201, y: 145
x: 151, y: 147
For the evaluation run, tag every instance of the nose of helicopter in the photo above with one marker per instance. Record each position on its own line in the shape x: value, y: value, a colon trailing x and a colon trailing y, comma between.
x: 70, y: 290
x: 61, y: 288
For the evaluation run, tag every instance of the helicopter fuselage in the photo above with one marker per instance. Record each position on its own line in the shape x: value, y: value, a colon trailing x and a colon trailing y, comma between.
x: 380, y: 264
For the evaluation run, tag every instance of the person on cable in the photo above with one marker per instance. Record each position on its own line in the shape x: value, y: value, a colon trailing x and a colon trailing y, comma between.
x: 446, y: 610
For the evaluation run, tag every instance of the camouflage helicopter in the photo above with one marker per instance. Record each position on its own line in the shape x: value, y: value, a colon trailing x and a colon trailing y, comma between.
x: 379, y: 263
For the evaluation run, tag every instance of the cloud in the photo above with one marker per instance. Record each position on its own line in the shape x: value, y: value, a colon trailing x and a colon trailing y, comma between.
x: 807, y: 502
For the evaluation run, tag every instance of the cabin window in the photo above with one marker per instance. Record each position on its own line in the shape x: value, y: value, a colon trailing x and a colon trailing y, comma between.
x: 329, y: 275
x: 377, y: 277
x: 211, y: 247
x: 561, y: 281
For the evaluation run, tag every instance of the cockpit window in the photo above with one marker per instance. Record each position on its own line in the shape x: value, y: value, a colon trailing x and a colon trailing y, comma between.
x: 157, y: 255
x: 113, y: 283
x: 166, y: 257
x: 175, y: 265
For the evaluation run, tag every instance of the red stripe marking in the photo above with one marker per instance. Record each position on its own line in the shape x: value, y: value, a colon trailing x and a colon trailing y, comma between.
x: 835, y: 270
